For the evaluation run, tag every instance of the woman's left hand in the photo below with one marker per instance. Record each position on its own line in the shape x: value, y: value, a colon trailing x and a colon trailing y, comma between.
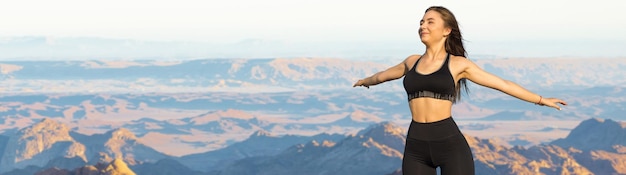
x: 552, y: 102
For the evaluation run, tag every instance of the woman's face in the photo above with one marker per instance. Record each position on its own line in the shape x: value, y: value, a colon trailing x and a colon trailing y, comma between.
x: 432, y: 28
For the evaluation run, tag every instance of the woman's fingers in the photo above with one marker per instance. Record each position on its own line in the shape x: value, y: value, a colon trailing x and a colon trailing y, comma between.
x: 360, y: 83
x: 357, y: 83
x: 553, y: 102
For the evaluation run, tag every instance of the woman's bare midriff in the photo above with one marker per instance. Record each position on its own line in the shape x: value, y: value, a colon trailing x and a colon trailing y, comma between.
x: 428, y: 110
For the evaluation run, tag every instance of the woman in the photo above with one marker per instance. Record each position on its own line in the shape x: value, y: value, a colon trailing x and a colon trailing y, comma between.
x: 433, y: 83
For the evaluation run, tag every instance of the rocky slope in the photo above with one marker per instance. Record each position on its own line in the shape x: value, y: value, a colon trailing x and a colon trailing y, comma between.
x: 49, y: 143
x: 117, y: 144
x: 115, y: 167
x: 376, y: 146
x: 39, y: 144
x: 260, y: 143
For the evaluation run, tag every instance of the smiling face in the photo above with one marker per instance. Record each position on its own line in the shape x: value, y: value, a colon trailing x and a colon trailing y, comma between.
x: 432, y: 28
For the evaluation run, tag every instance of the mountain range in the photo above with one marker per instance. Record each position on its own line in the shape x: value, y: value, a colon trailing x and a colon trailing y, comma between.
x: 242, y: 116
x: 207, y: 104
x: 376, y: 149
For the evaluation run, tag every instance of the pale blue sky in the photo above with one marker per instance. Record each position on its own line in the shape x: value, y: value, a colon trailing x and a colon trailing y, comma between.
x: 490, y: 26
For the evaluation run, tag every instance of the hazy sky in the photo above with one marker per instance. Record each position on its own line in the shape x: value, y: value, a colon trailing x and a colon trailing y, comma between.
x: 486, y: 24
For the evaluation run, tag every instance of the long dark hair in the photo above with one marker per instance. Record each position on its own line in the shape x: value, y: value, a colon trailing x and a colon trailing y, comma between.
x: 454, y: 42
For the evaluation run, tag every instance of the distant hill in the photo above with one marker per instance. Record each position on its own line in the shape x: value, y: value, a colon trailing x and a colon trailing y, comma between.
x: 278, y: 74
x: 595, y: 134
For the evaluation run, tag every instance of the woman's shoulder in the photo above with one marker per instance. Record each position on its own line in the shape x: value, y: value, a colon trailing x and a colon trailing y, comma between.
x: 461, y: 62
x: 454, y: 57
x: 413, y: 57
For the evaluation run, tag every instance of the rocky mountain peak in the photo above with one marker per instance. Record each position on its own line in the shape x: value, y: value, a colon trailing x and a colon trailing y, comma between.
x: 120, y: 142
x: 592, y: 134
x: 484, y: 144
x: 362, y: 116
x: 595, y: 122
x: 118, y: 166
x: 39, y: 143
x: 33, y: 140
x: 115, y: 167
x: 385, y: 133
x: 383, y: 129
x: 260, y: 133
x: 122, y: 134
x: 46, y: 125
x: 324, y: 143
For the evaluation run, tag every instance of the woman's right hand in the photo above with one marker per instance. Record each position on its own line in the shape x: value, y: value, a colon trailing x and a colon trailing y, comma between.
x: 361, y: 83
x: 391, y: 73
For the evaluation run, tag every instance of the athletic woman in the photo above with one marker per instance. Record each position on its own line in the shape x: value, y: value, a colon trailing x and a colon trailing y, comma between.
x: 433, y: 83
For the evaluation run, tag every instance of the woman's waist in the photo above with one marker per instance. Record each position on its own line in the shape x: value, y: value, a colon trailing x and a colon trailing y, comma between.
x: 432, y: 131
x: 429, y: 119
x: 429, y: 112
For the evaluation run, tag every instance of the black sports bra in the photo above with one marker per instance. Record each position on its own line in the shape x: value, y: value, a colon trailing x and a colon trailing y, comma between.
x: 439, y: 84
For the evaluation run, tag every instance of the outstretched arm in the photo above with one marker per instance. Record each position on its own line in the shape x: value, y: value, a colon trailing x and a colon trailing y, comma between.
x: 391, y: 73
x: 477, y: 75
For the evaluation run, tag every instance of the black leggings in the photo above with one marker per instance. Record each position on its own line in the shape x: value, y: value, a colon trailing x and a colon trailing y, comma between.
x: 436, y: 144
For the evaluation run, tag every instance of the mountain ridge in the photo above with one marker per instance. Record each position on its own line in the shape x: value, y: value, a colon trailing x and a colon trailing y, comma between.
x: 278, y: 74
x: 376, y: 149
